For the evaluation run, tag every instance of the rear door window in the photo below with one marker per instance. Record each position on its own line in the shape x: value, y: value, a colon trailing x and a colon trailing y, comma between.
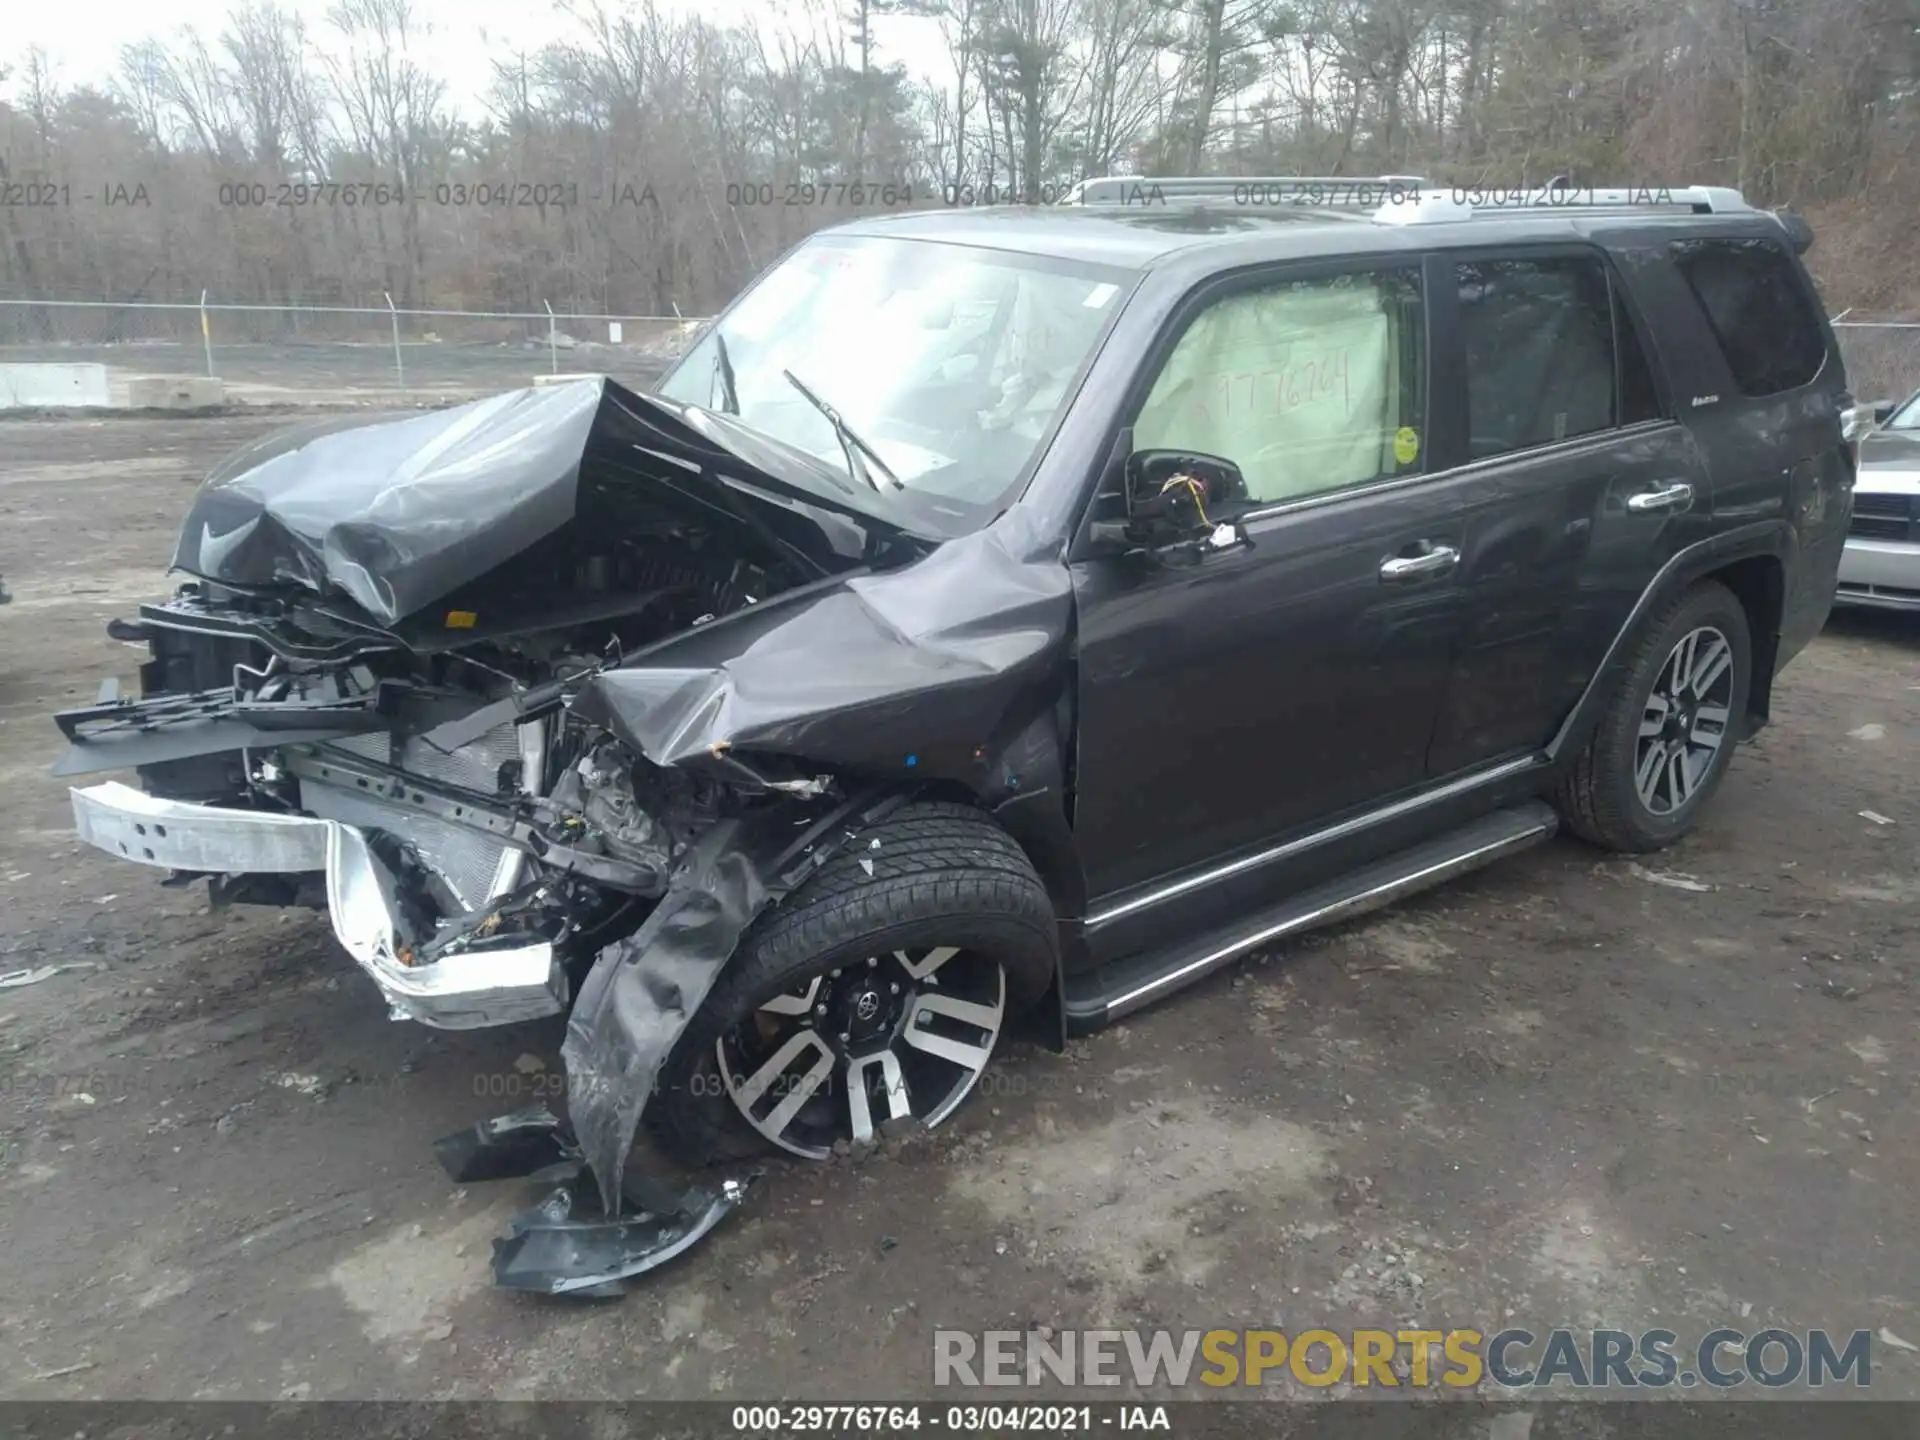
x: 1759, y: 312
x: 1540, y: 352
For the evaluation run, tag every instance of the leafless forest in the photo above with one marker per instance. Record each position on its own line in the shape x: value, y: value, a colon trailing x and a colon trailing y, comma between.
x: 653, y: 161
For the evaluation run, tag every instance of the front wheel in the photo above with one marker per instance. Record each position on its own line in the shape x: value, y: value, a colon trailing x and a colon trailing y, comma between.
x: 877, y: 991
x: 1669, y: 730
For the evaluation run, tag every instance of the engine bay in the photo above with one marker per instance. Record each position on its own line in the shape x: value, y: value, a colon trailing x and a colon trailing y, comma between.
x: 498, y: 815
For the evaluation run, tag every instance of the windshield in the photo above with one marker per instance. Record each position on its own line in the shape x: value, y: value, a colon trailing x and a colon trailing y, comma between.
x: 1907, y: 417
x: 950, y: 362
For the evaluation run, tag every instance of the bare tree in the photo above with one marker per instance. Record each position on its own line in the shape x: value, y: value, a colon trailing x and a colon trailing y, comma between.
x: 1222, y: 47
x: 665, y: 152
x: 274, y: 89
x: 1125, y: 43
x: 393, y: 110
x: 1034, y: 79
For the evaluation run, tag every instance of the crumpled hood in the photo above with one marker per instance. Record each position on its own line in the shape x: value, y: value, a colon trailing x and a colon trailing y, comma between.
x: 398, y: 511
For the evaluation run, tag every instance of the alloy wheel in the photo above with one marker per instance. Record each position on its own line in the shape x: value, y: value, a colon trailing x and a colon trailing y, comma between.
x: 1685, y: 721
x: 896, y: 1035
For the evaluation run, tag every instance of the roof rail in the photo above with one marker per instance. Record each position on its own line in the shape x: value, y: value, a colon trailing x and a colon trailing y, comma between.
x: 1471, y: 202
x: 1357, y: 191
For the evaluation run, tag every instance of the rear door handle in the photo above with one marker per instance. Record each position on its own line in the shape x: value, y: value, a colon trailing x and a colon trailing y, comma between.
x: 1674, y: 495
x: 1430, y: 561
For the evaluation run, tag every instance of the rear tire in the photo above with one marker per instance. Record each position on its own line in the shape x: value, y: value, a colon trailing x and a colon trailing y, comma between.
x: 1669, y: 730
x: 883, y: 979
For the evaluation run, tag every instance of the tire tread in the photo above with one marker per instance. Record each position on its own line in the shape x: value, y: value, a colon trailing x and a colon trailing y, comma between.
x: 1591, y: 796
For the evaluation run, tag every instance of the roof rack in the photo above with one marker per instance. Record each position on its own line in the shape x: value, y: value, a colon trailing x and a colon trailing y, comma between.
x: 1361, y: 192
x: 1408, y: 199
x: 1472, y: 202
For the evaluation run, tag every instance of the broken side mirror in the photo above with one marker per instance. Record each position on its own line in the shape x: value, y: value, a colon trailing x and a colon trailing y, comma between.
x: 1883, y: 410
x: 1177, y: 497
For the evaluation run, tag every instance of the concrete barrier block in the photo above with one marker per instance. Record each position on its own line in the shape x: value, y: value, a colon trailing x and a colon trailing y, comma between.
x: 34, y: 387
x: 168, y: 392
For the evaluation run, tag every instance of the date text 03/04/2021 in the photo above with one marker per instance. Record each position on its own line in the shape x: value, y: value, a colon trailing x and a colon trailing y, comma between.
x: 951, y: 1419
x: 464, y: 195
x: 841, y: 194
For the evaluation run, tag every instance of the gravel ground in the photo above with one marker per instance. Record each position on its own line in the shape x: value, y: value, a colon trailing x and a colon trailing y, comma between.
x: 1571, y: 1089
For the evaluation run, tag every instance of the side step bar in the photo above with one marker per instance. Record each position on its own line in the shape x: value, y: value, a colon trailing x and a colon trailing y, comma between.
x: 1118, y: 989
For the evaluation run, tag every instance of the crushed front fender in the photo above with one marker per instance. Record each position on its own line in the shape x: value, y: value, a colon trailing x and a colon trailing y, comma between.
x: 643, y: 991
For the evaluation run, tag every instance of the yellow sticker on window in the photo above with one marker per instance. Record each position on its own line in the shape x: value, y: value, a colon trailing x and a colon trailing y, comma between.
x: 461, y: 619
x: 1406, y: 444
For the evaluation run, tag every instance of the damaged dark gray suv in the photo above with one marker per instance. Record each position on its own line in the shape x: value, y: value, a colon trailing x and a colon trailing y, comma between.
x: 997, y: 612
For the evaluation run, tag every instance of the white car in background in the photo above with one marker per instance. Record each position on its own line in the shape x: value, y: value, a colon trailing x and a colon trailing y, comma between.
x: 1881, y: 566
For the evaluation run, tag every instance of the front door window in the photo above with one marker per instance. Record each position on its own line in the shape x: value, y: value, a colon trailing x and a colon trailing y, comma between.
x: 1309, y: 386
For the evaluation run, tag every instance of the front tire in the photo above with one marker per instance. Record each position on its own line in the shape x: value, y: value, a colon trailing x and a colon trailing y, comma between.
x: 877, y: 991
x: 1669, y: 730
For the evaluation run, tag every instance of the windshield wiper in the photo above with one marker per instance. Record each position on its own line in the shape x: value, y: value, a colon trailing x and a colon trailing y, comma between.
x: 850, y: 443
x: 723, y: 365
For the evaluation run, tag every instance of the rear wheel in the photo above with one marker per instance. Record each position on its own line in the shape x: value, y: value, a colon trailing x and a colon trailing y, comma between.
x: 879, y: 990
x: 1668, y: 733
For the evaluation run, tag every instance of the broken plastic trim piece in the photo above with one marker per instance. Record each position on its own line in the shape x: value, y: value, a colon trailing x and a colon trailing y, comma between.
x: 566, y: 1245
x: 507, y: 1147
x: 808, y: 789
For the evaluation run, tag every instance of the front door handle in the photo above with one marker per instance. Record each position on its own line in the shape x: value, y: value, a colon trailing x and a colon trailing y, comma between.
x: 1674, y: 495
x: 1431, y: 561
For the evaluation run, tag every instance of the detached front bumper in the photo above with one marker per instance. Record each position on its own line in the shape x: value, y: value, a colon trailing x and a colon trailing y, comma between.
x: 463, y: 992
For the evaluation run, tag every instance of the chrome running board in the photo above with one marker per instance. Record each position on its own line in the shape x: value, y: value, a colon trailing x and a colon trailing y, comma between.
x: 1123, y: 986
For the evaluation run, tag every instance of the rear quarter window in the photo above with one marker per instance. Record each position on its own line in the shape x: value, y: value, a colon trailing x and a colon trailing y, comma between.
x: 1759, y: 310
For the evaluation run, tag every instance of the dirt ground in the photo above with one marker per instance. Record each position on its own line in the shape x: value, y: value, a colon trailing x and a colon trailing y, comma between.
x: 1571, y: 1089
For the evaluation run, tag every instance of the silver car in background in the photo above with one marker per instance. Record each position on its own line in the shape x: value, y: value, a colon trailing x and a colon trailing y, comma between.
x: 1881, y: 566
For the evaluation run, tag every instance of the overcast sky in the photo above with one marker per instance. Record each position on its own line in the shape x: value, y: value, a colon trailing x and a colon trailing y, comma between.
x: 83, y: 37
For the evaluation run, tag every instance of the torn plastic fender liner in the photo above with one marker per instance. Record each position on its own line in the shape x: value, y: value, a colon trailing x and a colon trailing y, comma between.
x: 643, y: 991
x: 567, y: 1244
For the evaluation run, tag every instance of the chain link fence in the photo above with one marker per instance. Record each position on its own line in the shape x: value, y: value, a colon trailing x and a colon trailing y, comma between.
x: 291, y: 353
x: 1883, y: 357
x: 265, y: 354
